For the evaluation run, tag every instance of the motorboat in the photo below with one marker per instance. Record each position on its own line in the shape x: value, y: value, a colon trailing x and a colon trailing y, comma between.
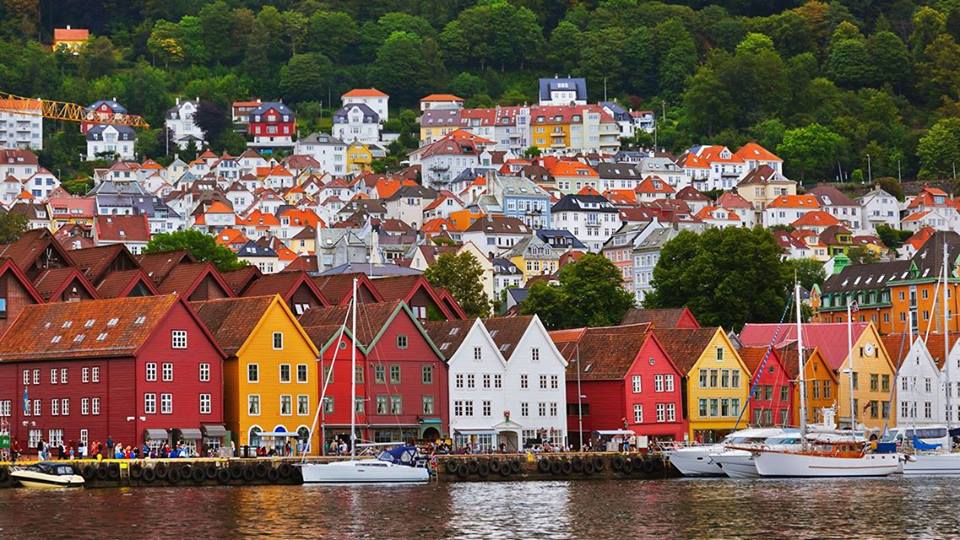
x: 400, y: 465
x: 696, y: 460
x: 47, y: 474
x: 737, y: 461
x: 931, y: 445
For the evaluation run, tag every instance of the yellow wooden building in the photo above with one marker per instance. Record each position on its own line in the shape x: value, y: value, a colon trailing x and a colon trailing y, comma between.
x: 717, y: 381
x: 359, y: 158
x: 270, y: 377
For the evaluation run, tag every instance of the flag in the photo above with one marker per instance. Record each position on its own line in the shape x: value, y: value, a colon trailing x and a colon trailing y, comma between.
x: 26, y: 399
x: 854, y: 307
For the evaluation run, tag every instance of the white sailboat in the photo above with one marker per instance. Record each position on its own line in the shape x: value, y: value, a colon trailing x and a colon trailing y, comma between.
x: 362, y: 471
x: 823, y: 457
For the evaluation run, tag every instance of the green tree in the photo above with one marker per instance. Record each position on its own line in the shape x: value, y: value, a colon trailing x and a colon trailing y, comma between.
x: 404, y: 69
x: 678, y: 56
x: 98, y: 58
x: 892, y: 238
x: 202, y: 246
x: 333, y: 34
x: 467, y: 85
x: 939, y: 148
x: 849, y: 63
x: 305, y: 77
x: 589, y: 293
x: 727, y: 277
x: 563, y: 52
x: 890, y: 61
x: 11, y: 227
x: 462, y: 275
x: 809, y: 151
x: 808, y: 272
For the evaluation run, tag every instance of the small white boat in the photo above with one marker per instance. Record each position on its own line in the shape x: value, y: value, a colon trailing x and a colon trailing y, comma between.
x: 696, y: 460
x: 814, y: 464
x: 363, y: 471
x: 737, y: 462
x: 933, y: 464
x: 48, y: 475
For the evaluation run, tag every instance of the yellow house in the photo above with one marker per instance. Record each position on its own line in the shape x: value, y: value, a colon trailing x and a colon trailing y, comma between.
x: 359, y: 158
x: 717, y: 381
x: 549, y: 128
x: 762, y: 185
x: 534, y: 257
x: 270, y: 377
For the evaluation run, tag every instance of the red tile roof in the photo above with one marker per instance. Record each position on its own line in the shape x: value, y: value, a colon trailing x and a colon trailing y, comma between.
x: 830, y: 338
x: 117, y: 284
x: 51, y: 283
x: 603, y: 353
x: 284, y: 284
x: 685, y: 345
x: 158, y: 265
x: 659, y: 318
x: 70, y: 34
x: 241, y: 278
x: 371, y: 318
x: 339, y: 287
x: 364, y: 92
x: 122, y: 228
x: 185, y: 278
x: 232, y: 320
x: 507, y: 331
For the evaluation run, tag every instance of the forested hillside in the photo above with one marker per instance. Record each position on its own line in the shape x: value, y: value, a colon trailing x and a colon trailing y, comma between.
x: 823, y: 83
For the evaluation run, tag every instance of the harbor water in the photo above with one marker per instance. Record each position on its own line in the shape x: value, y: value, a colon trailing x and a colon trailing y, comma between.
x: 676, y: 508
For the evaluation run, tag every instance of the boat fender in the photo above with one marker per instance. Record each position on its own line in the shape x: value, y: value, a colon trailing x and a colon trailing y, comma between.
x: 148, y: 476
x: 598, y: 464
x: 463, y: 470
x: 210, y: 471
x: 515, y: 467
x: 174, y: 476
x: 285, y: 470
x: 261, y: 471
x: 588, y: 468
x: 198, y: 475
x: 113, y: 471
x: 543, y: 465
x: 473, y: 466
x: 555, y: 467
x: 577, y: 464
x: 450, y: 466
x: 186, y: 471
x: 103, y: 472
x: 249, y: 474
x: 505, y: 468
x: 617, y: 463
x: 236, y: 471
x: 89, y: 472
x: 566, y: 467
x: 160, y: 470
x: 136, y: 471
x: 495, y: 466
x: 627, y: 467
x: 223, y: 476
x: 648, y: 466
x: 273, y: 476
x: 483, y: 469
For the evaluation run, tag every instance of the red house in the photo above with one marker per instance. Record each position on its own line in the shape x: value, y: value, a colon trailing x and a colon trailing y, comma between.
x: 426, y: 302
x: 296, y: 289
x: 338, y: 288
x: 16, y: 293
x: 130, y: 369
x: 404, y: 378
x: 272, y: 124
x: 771, y: 386
x: 624, y: 379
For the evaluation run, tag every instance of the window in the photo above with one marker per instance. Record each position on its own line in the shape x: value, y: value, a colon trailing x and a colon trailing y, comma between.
x: 535, y: 354
x: 380, y: 374
x: 253, y: 405
x: 927, y: 383
x: 95, y: 374
x: 26, y: 377
x: 784, y: 393
x: 285, y: 375
x: 151, y: 371
x: 37, y: 408
x: 84, y: 375
x: 927, y: 410
x: 65, y: 407
x: 543, y: 382
x: 524, y: 409
x: 54, y: 407
x: 636, y: 384
x: 178, y: 339
x: 523, y: 380
x: 381, y: 404
x: 554, y: 382
x: 205, y: 404
x: 637, y: 413
x: 36, y: 376
x: 703, y: 378
x: 477, y: 354
x: 428, y: 404
x: 303, y: 405
x: 396, y: 405
x: 658, y: 383
x: 150, y: 403
x: 401, y: 341
x: 395, y: 374
x: 719, y: 354
x: 278, y: 341
x: 498, y: 381
x: 166, y: 403
x: 204, y: 372
x: 471, y: 380
x: 459, y: 379
x: 542, y: 408
x: 713, y: 378
x: 725, y: 378
x: 253, y: 373
x: 167, y: 371
x: 826, y: 389
x: 286, y: 405
x: 458, y: 408
x: 735, y: 378
x: 84, y: 406
x: 874, y: 382
x: 302, y: 373
x: 486, y: 408
x: 671, y: 412
x: 53, y: 376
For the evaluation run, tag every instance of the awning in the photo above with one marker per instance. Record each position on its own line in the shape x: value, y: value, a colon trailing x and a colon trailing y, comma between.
x: 614, y: 432
x: 474, y: 431
x: 278, y: 434
x: 190, y: 434
x: 214, y: 431
x: 431, y: 421
x: 156, y: 435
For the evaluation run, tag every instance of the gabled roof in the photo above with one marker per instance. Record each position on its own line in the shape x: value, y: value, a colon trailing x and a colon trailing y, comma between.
x: 122, y: 228
x: 364, y: 92
x: 241, y: 278
x: 405, y: 287
x: 7, y: 265
x: 795, y: 201
x: 185, y: 278
x: 233, y: 320
x: 685, y: 345
x: 95, y: 262
x: 830, y: 338
x: 338, y: 287
x: 507, y: 332
x: 604, y: 353
x: 753, y: 151
x: 816, y: 218
x: 371, y: 318
x: 285, y: 284
x: 31, y: 245
x: 117, y: 284
x: 449, y: 335
x: 753, y: 358
x: 70, y: 34
x: 52, y: 283
x: 661, y: 318
x: 158, y: 265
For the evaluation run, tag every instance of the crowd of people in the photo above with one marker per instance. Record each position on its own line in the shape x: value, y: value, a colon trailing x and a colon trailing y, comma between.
x: 110, y: 449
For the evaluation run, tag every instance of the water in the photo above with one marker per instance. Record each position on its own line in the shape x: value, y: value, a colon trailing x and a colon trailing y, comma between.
x: 678, y: 508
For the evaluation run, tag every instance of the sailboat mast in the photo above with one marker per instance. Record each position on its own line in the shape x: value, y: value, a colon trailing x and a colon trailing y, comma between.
x: 803, y: 389
x: 353, y: 372
x: 946, y: 335
x: 853, y: 409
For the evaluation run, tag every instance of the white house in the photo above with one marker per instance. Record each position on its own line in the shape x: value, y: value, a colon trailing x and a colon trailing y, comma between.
x: 879, y: 208
x: 496, y: 234
x: 371, y: 97
x: 109, y: 141
x: 942, y: 218
x: 41, y: 184
x: 180, y: 122
x: 357, y: 122
x: 920, y: 391
x: 591, y: 218
x: 21, y: 124
x: 329, y: 151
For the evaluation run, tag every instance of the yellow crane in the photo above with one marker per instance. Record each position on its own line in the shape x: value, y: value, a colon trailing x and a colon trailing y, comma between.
x: 70, y: 112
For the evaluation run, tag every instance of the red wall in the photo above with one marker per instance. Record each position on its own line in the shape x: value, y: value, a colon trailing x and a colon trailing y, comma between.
x: 605, y: 401
x: 773, y: 375
x: 339, y: 389
x: 649, y: 397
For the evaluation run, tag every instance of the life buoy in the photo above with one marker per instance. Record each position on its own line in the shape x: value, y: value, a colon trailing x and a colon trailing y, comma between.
x: 273, y: 475
x: 210, y: 471
x: 450, y: 466
x: 515, y: 466
x: 505, y: 469
x: 566, y: 467
x: 577, y: 464
x: 462, y: 470
x: 223, y: 476
x: 236, y: 471
x: 648, y: 466
x: 483, y: 469
x: 249, y: 474
x: 148, y: 476
x: 588, y: 468
x: 198, y: 475
x: 617, y: 463
x: 285, y: 470
x: 261, y: 470
x: 555, y: 467
x: 174, y: 476
x: 136, y: 471
x: 495, y: 466
x: 161, y: 471
x: 598, y: 464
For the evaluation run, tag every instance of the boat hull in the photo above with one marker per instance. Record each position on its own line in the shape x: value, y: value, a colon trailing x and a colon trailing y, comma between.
x: 695, y: 461
x: 36, y: 480
x: 363, y: 472
x: 932, y: 465
x: 797, y: 465
x: 736, y: 464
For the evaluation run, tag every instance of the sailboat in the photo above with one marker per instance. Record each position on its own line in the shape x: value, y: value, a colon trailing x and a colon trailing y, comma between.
x: 821, y: 457
x: 390, y: 468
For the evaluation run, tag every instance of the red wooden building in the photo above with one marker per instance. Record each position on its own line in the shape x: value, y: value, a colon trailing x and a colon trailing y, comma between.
x: 272, y: 123
x: 131, y: 369
x: 624, y: 379
x: 771, y: 385
x: 404, y: 376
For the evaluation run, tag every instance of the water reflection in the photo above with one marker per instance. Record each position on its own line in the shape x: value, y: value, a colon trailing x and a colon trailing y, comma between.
x: 630, y: 509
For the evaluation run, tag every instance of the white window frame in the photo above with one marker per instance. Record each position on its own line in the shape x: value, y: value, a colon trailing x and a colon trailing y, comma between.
x: 178, y: 339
